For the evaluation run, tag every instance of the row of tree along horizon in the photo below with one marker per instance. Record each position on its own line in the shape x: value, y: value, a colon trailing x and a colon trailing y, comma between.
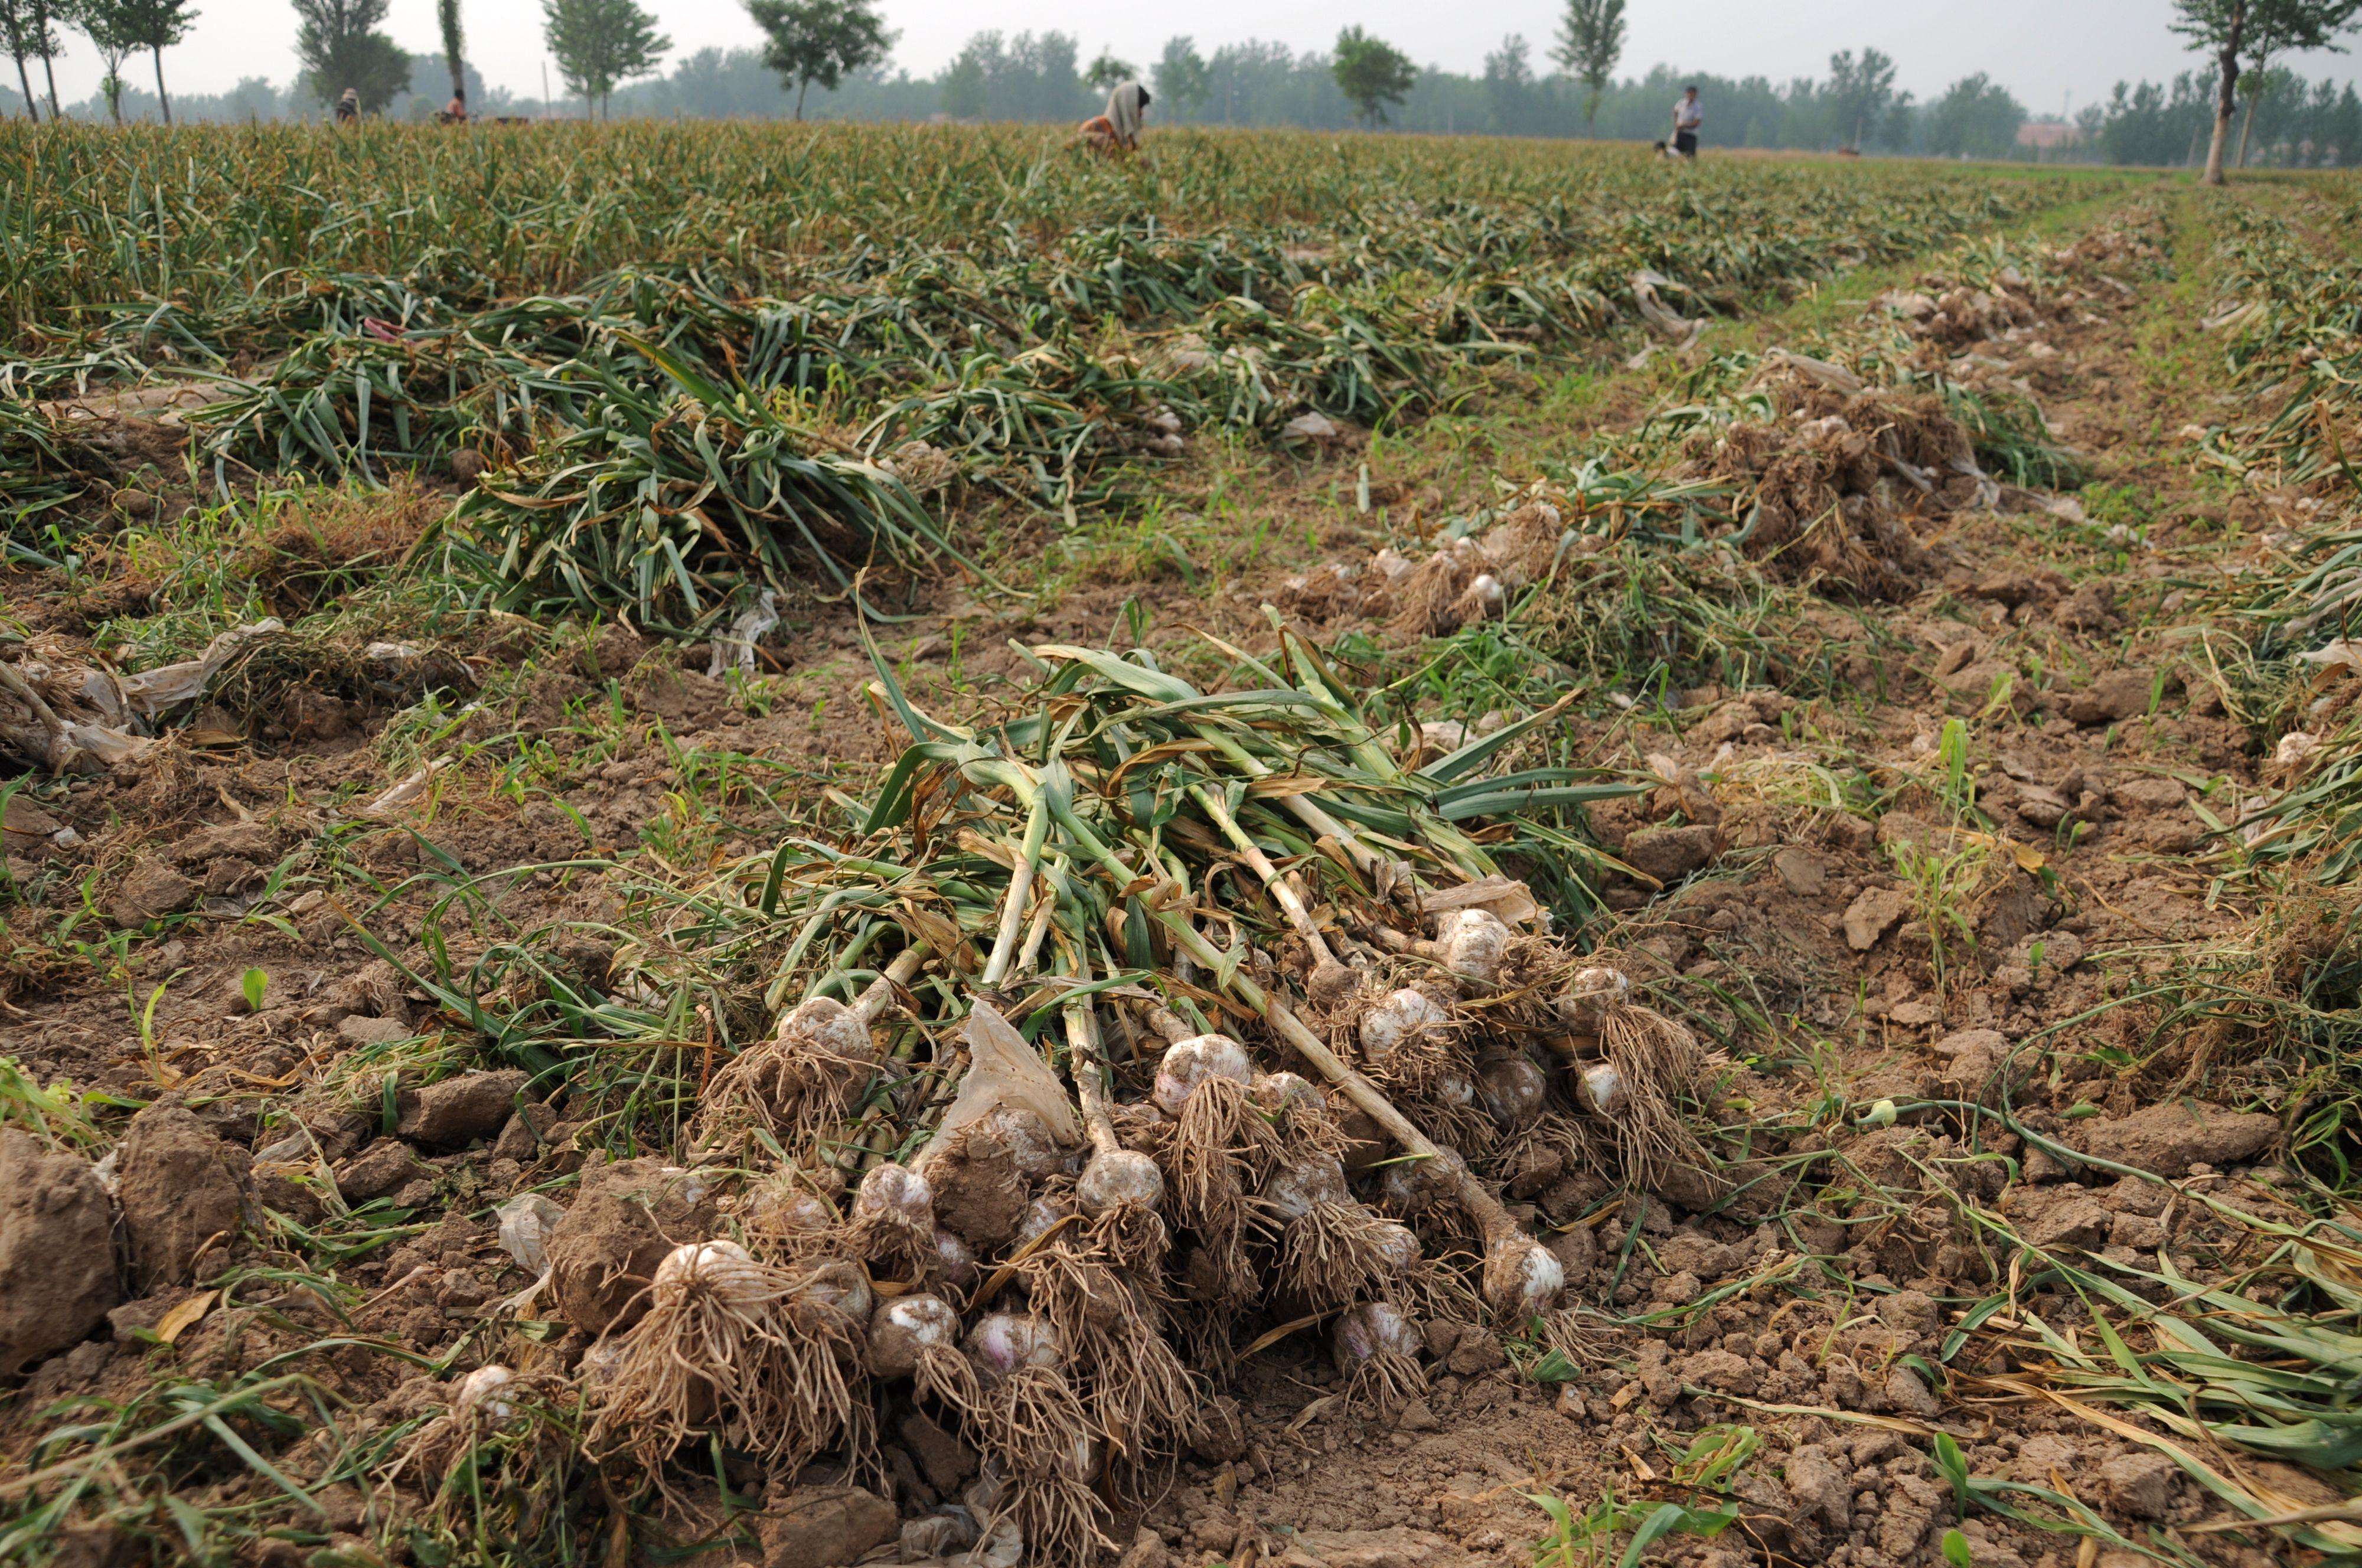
x: 601, y: 45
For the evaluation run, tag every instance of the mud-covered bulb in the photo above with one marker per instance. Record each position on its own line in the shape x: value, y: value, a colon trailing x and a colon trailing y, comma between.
x: 487, y: 1392
x: 1513, y: 1089
x: 897, y: 1192
x: 1370, y: 1330
x: 1277, y: 1093
x: 1006, y: 1342
x: 1041, y: 1216
x: 1404, y: 1017
x: 841, y: 1288
x: 903, y: 1330
x: 1027, y: 1137
x: 828, y: 1023
x: 1602, y: 1090
x: 1120, y: 1178
x: 1188, y: 1062
x: 1473, y: 943
x: 1293, y: 1189
x: 954, y: 1260
x: 1521, y: 1276
x: 725, y: 1269
x: 1331, y: 982
x: 1591, y: 994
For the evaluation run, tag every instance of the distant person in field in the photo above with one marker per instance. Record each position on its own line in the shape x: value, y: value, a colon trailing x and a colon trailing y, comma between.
x: 1118, y: 130
x: 348, y: 107
x: 1689, y: 115
x: 455, y: 113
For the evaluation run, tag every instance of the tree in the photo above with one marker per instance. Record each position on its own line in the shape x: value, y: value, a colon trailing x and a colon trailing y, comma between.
x: 2229, y: 30
x: 152, y: 25
x: 1859, y: 92
x: 599, y: 43
x: 340, y: 46
x: 1509, y: 83
x: 1975, y: 117
x: 455, y: 49
x: 108, y: 30
x: 966, y: 93
x: 1182, y: 79
x: 1107, y: 71
x: 1590, y: 42
x: 1372, y: 73
x: 2263, y: 82
x: 18, y: 30
x: 820, y: 41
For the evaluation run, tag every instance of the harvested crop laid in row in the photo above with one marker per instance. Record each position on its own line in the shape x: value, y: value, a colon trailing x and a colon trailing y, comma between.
x: 1128, y: 1026
x: 658, y: 434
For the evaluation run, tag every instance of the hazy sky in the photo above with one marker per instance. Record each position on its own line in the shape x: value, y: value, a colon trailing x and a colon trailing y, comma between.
x: 2043, y: 50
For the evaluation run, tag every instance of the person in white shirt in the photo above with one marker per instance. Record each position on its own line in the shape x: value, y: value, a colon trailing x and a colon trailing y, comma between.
x: 1688, y: 116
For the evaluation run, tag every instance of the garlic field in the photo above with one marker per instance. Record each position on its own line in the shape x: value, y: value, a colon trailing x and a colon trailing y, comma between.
x: 825, y: 845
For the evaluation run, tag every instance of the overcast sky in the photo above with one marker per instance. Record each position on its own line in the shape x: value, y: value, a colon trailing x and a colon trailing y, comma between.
x: 2042, y: 49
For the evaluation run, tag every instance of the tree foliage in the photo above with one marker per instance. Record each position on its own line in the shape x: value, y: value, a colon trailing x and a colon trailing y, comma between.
x: 1181, y: 84
x: 823, y: 42
x: 1590, y: 42
x: 28, y: 34
x: 1033, y: 76
x: 599, y: 44
x: 1373, y: 75
x: 1859, y: 90
x: 2234, y: 30
x: 1975, y: 117
x: 108, y: 26
x: 341, y: 46
x: 1107, y: 70
x: 455, y: 45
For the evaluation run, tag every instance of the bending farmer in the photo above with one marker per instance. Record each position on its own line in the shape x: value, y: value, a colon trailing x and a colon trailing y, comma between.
x: 1118, y: 130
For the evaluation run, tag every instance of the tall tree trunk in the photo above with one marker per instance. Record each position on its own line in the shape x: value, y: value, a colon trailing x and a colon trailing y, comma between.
x: 801, y: 85
x: 24, y: 80
x: 50, y: 71
x: 114, y: 98
x: 162, y: 102
x: 2227, y: 102
x: 2247, y: 123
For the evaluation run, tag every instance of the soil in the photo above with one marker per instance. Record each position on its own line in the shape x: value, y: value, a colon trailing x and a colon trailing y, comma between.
x: 1804, y: 1298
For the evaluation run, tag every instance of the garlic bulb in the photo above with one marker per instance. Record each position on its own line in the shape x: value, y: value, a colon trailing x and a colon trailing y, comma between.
x: 830, y: 1024
x: 841, y: 1288
x: 1117, y: 1179
x: 1293, y: 1189
x: 1395, y: 1244
x: 1191, y: 1062
x: 1588, y: 998
x: 1521, y: 1276
x: 485, y: 1392
x: 954, y: 1260
x: 1473, y: 943
x: 903, y: 1329
x: 1602, y: 1087
x: 602, y: 1362
x: 1009, y: 1342
x: 1512, y: 1087
x: 1041, y: 1216
x: 1027, y: 1140
x: 1404, y: 1017
x: 1275, y: 1093
x: 1369, y: 1330
x: 897, y: 1192
x: 725, y: 1268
